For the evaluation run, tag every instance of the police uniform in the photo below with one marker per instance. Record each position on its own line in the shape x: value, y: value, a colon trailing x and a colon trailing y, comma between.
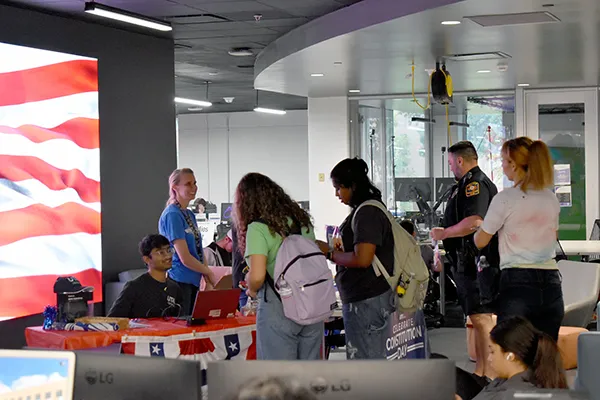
x: 471, y: 196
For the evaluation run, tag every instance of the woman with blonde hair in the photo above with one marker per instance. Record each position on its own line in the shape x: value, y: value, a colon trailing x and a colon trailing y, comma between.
x: 264, y: 215
x: 526, y: 219
x: 178, y: 224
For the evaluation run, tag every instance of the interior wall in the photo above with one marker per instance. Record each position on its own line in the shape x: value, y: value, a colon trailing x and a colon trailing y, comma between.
x: 137, y: 129
x: 221, y: 148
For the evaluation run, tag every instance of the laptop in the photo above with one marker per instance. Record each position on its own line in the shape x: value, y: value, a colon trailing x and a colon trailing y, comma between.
x: 214, y: 304
x: 34, y: 374
x: 339, y: 380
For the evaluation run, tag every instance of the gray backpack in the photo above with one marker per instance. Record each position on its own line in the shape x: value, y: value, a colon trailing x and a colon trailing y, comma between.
x: 411, y: 276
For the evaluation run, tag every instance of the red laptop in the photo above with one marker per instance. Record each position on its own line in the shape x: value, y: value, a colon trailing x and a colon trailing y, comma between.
x: 214, y: 304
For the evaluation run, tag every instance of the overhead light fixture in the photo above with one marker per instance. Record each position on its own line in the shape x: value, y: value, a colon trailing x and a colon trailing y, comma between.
x: 424, y: 120
x: 241, y: 52
x: 354, y: 91
x: 450, y: 22
x: 101, y: 10
x: 213, y: 73
x: 269, y: 111
x: 523, y: 84
x: 484, y: 71
x: 193, y: 102
x: 317, y: 75
x: 463, y: 124
x: 265, y: 110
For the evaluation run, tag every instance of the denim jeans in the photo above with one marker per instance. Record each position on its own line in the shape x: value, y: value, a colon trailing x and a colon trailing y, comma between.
x: 534, y: 294
x: 279, y: 338
x: 365, y: 324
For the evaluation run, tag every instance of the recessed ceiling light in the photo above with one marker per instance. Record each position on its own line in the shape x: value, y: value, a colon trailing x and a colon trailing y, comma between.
x: 484, y: 71
x: 213, y: 73
x: 354, y: 91
x: 337, y: 63
x: 101, y: 10
x: 201, y: 103
x: 523, y: 84
x: 269, y: 111
x: 317, y: 75
x: 240, y: 52
x: 450, y: 22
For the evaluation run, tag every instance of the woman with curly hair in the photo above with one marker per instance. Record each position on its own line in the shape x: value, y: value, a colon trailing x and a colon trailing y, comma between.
x: 264, y: 215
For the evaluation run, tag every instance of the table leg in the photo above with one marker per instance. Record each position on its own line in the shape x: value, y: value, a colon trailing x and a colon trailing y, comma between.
x: 442, y: 278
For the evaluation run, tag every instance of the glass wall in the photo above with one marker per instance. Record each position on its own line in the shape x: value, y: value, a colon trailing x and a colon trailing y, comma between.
x: 406, y: 146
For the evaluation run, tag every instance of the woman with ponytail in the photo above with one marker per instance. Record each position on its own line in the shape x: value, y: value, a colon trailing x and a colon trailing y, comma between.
x: 367, y: 299
x: 526, y: 220
x: 523, y: 358
x: 178, y: 224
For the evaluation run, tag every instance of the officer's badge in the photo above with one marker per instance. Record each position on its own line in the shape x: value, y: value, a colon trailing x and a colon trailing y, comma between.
x: 472, y: 189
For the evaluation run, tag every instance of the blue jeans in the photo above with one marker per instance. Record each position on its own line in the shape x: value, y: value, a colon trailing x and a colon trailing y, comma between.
x: 279, y: 338
x: 534, y: 294
x: 365, y: 323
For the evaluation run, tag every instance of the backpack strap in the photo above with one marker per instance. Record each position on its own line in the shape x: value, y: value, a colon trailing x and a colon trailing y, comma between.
x: 377, y: 265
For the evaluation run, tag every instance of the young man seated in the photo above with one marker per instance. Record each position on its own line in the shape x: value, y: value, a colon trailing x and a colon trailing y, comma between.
x: 218, y: 253
x: 153, y: 294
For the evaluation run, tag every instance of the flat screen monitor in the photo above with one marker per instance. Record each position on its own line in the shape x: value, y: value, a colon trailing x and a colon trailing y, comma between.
x: 226, y: 210
x: 36, y: 374
x: 442, y: 185
x: 116, y: 376
x: 407, y: 189
x: 305, y: 205
x: 341, y: 380
x: 50, y: 205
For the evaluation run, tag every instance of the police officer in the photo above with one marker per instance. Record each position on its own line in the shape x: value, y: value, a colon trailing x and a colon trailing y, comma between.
x: 465, y: 211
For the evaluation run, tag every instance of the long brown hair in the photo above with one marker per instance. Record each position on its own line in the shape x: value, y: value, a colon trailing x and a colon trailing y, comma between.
x: 538, y: 351
x: 533, y: 157
x: 259, y: 198
x: 174, y: 180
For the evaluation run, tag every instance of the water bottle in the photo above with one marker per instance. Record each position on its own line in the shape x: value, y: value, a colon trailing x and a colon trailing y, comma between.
x: 482, y: 264
x: 283, y: 288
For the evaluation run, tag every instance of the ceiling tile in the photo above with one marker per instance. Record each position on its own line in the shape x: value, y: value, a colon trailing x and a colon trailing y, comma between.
x: 232, y: 6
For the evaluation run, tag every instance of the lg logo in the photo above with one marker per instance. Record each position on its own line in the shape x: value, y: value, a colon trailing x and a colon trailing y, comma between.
x: 92, y: 377
x: 321, y: 386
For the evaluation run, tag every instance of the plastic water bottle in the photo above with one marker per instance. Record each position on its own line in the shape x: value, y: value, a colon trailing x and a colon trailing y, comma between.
x: 482, y: 264
x: 283, y: 288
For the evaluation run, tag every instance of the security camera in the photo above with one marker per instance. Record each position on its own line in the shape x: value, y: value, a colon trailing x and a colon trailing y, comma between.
x: 228, y: 100
x: 257, y: 17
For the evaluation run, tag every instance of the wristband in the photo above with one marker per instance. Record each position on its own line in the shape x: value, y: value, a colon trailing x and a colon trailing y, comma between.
x: 329, y: 255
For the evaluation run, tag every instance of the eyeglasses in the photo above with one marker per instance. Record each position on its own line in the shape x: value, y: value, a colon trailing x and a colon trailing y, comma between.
x: 165, y: 252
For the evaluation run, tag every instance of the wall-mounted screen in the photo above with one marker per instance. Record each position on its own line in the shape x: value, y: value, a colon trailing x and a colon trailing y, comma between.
x: 49, y: 176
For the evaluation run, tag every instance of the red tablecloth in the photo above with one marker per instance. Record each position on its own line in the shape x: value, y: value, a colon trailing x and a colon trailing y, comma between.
x: 77, y: 340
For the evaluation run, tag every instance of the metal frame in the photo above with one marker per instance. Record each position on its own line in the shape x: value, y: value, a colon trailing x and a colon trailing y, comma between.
x: 589, y: 97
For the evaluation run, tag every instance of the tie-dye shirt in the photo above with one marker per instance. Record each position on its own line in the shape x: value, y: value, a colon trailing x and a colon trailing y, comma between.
x: 526, y: 224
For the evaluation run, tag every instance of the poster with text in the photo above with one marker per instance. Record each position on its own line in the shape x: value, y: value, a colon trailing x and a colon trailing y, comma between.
x: 407, y: 336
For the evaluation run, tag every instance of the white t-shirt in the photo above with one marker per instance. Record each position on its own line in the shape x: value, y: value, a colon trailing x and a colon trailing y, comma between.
x: 526, y: 224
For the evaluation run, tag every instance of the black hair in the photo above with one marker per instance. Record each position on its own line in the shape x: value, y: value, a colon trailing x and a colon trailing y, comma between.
x: 151, y: 242
x: 353, y: 173
x: 538, y: 351
x: 464, y: 149
x: 408, y: 226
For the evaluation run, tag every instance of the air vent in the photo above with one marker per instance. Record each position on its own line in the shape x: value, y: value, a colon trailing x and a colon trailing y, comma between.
x: 182, y: 46
x: 245, y: 66
x: 538, y: 17
x: 492, y: 55
x: 197, y: 19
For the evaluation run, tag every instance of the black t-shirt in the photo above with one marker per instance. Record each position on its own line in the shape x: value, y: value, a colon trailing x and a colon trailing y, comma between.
x: 371, y: 225
x: 238, y: 261
x: 471, y: 196
x: 145, y: 297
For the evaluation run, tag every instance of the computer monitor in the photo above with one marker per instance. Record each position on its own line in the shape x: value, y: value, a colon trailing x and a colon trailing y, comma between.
x: 118, y: 376
x: 36, y: 374
x: 305, y: 205
x: 226, y: 210
x: 407, y: 189
x: 337, y: 380
x: 442, y: 185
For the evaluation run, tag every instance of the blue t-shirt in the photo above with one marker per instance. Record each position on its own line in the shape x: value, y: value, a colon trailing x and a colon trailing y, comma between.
x: 173, y: 226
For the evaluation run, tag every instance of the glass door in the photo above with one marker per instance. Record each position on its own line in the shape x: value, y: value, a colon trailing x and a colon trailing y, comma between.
x: 567, y: 121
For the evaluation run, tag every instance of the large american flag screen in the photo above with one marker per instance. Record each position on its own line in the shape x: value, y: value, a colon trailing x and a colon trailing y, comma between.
x: 49, y: 176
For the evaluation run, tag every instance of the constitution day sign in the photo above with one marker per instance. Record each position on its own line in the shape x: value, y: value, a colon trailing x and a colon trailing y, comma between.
x: 407, y: 336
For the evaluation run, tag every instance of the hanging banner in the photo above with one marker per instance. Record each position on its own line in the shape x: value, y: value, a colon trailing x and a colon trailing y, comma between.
x: 407, y: 336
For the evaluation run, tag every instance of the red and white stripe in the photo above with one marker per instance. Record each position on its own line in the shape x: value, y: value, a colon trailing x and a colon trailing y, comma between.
x: 50, y: 221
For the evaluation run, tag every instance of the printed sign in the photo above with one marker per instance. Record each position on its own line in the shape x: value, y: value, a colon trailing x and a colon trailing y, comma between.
x: 407, y: 336
x: 562, y: 174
